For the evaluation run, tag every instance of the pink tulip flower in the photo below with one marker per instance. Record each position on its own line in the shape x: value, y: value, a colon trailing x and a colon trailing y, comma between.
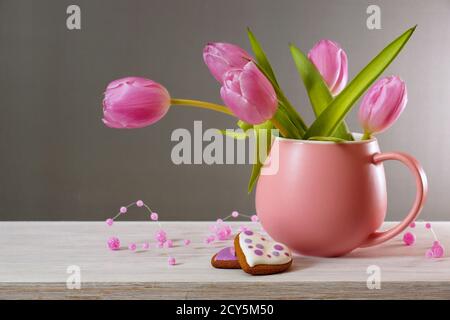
x: 222, y: 57
x: 249, y: 94
x: 331, y: 61
x: 134, y: 103
x: 382, y: 104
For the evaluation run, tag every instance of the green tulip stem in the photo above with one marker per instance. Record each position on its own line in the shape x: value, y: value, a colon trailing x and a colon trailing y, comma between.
x: 202, y: 104
x: 366, y: 136
x: 278, y: 125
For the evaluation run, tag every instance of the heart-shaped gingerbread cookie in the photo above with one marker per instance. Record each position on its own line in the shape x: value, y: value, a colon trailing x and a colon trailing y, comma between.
x: 258, y: 255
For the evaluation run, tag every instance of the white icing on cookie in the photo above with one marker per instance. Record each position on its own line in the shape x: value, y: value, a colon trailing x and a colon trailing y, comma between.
x: 259, y: 250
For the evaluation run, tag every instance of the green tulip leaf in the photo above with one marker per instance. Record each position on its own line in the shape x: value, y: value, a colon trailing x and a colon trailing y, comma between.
x: 318, y: 92
x: 282, y: 118
x: 328, y: 121
x: 259, y: 135
x: 262, y: 62
x: 261, y: 57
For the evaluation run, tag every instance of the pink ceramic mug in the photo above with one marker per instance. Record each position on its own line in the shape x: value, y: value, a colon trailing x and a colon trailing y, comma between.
x: 326, y: 199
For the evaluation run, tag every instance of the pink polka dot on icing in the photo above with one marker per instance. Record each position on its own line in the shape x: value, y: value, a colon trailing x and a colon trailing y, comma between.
x: 278, y: 247
x: 248, y: 240
x: 248, y: 232
x: 260, y: 246
x: 286, y: 254
x: 258, y: 252
x: 276, y: 253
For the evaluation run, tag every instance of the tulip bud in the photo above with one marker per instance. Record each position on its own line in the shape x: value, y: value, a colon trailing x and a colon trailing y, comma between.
x: 134, y: 103
x: 331, y: 61
x: 382, y: 105
x: 222, y: 57
x: 249, y: 94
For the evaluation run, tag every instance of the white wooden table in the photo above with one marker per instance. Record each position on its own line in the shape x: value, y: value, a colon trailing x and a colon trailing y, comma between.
x: 34, y: 257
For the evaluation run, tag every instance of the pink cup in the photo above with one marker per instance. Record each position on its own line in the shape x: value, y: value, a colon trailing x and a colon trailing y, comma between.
x: 327, y: 199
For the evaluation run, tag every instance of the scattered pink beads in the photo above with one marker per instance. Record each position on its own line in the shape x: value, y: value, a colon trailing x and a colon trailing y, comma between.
x: 220, y: 231
x: 154, y: 216
x: 436, y: 251
x: 409, y: 238
x: 114, y: 243
x: 172, y: 261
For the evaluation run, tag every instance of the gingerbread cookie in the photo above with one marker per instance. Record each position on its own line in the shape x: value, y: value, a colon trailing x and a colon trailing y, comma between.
x: 225, y: 259
x: 258, y: 255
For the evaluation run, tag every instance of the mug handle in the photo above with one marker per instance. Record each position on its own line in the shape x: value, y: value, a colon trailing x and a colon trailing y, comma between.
x: 422, y: 187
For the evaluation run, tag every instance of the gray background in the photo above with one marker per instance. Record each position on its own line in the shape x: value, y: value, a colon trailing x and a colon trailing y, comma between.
x: 59, y: 162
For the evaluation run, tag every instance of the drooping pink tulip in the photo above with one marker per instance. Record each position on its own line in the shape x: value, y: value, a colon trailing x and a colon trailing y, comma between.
x: 222, y: 57
x: 249, y: 94
x: 134, y: 102
x: 331, y: 61
x: 382, y: 104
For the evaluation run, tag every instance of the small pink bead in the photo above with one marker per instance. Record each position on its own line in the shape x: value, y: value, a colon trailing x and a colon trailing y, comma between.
x: 154, y: 216
x: 438, y: 251
x: 209, y: 239
x: 219, y: 221
x: 160, y: 245
x: 172, y: 261
x: 409, y: 238
x: 123, y: 209
x: 132, y: 246
x: 109, y: 222
x: 140, y: 203
x: 429, y: 254
x: 428, y: 225
x: 161, y: 236
x: 413, y: 224
x: 235, y: 214
x: 187, y: 242
x: 114, y: 243
x: 254, y: 218
x: 146, y: 246
x: 169, y: 243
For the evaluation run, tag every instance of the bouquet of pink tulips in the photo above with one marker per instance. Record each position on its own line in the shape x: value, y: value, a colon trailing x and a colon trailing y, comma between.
x: 251, y: 93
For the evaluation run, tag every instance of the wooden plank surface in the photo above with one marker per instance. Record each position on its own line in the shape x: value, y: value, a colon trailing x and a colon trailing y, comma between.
x: 34, y: 258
